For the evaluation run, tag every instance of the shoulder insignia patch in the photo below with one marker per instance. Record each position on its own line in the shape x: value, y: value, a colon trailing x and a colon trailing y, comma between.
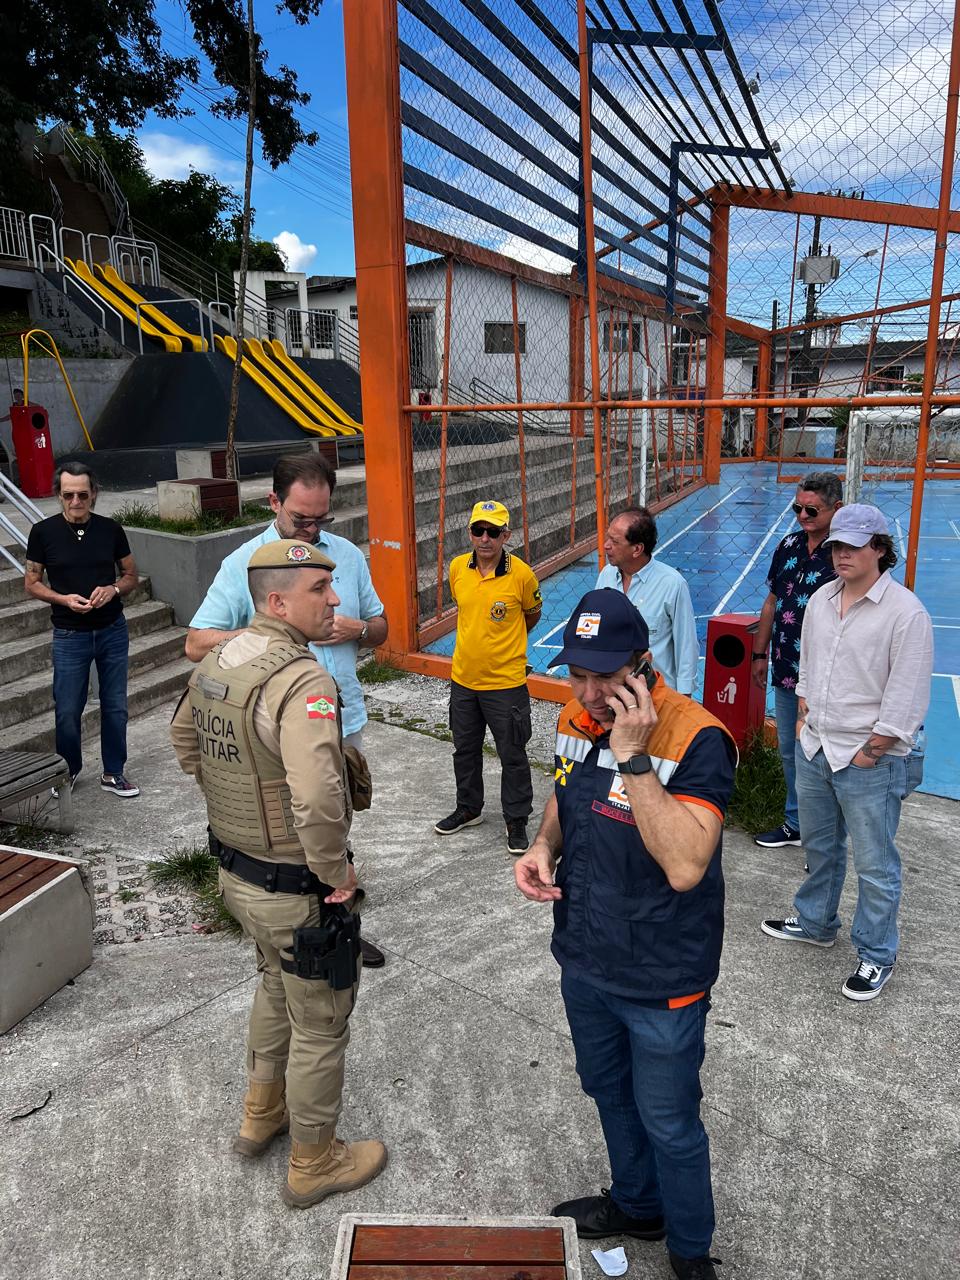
x: 320, y: 709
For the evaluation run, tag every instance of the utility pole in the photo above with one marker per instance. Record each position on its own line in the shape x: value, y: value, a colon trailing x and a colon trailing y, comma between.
x: 805, y: 363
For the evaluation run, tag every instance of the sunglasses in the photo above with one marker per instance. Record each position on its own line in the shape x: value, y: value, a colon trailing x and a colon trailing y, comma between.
x: 812, y: 512
x: 478, y: 530
x: 308, y: 522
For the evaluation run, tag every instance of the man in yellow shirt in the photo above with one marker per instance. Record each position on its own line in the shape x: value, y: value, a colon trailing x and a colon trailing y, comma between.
x: 498, y: 601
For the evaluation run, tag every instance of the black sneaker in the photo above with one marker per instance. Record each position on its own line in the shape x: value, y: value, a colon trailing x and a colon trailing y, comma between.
x: 373, y: 957
x: 119, y: 785
x: 868, y: 981
x: 517, y: 841
x: 457, y: 820
x: 693, y: 1268
x: 778, y: 837
x: 599, y: 1216
x: 790, y: 930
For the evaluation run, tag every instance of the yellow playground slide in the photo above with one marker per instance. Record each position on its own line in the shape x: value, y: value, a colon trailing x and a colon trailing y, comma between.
x: 80, y: 269
x: 228, y: 347
x: 153, y: 314
x: 293, y: 370
x: 254, y: 348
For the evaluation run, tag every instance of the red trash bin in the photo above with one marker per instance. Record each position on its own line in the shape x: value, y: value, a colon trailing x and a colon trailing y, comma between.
x: 728, y: 689
x: 34, y: 449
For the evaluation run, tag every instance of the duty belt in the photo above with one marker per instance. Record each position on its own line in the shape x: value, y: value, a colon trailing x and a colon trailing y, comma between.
x: 274, y: 877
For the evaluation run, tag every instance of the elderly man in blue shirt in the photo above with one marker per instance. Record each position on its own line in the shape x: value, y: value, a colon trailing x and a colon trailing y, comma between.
x: 659, y: 593
x: 303, y: 488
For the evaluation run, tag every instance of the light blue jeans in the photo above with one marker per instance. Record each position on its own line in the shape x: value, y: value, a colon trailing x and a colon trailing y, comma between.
x: 865, y: 803
x: 785, y: 710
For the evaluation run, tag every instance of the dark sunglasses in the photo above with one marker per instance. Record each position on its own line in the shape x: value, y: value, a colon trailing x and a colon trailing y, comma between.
x: 812, y: 512
x: 478, y: 530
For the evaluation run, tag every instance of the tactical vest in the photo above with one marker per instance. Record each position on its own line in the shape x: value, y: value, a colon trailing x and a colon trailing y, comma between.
x: 248, y: 800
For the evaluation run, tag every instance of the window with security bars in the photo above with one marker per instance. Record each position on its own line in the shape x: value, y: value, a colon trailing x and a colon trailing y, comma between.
x: 886, y: 377
x: 498, y: 337
x: 353, y: 313
x: 621, y: 336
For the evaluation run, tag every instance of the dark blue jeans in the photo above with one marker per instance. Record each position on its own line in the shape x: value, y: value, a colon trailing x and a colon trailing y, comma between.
x: 642, y: 1068
x: 73, y: 652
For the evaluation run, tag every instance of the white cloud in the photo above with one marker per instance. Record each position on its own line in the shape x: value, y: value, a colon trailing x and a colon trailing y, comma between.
x: 169, y: 157
x: 298, y: 255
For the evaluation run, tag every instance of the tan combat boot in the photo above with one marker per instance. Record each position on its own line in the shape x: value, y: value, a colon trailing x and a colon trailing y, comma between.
x: 318, y: 1171
x: 264, y: 1116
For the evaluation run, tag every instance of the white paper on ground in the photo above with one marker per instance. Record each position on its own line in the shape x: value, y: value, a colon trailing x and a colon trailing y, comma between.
x: 612, y: 1262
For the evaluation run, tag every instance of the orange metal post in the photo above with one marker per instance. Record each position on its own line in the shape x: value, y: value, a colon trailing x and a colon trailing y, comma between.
x: 373, y: 104
x: 936, y: 295
x: 761, y: 420
x: 520, y: 438
x: 577, y: 373
x: 842, y: 207
x: 586, y: 154
x: 630, y: 497
x: 444, y: 421
x: 716, y: 342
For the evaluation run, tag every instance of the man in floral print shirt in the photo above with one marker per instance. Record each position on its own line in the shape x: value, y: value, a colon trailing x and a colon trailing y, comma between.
x: 799, y: 566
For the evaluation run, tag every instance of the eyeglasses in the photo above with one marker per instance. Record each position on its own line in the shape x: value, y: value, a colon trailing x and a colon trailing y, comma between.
x: 83, y: 496
x: 478, y: 531
x: 308, y: 522
x: 812, y: 512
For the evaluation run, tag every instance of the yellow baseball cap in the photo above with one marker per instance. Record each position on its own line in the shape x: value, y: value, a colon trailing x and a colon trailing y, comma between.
x: 494, y: 513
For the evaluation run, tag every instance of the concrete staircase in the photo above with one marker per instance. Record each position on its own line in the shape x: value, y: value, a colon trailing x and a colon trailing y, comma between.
x: 158, y: 669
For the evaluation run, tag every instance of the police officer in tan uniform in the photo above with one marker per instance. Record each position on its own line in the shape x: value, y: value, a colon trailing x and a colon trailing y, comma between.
x: 259, y: 728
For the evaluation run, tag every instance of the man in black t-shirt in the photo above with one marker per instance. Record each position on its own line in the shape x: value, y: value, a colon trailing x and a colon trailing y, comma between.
x: 81, y: 553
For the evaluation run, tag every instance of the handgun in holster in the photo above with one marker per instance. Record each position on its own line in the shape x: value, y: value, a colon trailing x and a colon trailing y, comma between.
x: 328, y: 950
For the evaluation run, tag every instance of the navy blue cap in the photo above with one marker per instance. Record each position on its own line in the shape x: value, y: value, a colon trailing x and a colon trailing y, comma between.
x: 604, y: 632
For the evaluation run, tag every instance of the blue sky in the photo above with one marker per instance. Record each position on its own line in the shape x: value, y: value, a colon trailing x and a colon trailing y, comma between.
x: 306, y: 204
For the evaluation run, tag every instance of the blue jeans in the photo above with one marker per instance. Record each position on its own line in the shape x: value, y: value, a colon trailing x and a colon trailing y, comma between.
x: 73, y: 652
x: 865, y: 803
x: 642, y: 1068
x: 785, y: 710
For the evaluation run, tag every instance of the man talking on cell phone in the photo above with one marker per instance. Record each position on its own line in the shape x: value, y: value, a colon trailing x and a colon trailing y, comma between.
x: 629, y: 854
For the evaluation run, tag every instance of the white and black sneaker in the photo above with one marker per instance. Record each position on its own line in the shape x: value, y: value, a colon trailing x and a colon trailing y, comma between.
x: 456, y: 821
x: 778, y: 837
x: 790, y: 930
x: 119, y: 785
x: 868, y: 981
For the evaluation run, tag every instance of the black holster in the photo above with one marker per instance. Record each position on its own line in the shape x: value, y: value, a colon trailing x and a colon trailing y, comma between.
x: 329, y: 950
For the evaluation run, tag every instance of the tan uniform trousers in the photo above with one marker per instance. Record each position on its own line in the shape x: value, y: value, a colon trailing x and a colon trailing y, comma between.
x: 298, y: 1026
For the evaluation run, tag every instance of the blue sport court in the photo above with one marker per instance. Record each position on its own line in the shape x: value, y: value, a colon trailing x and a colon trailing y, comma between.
x: 722, y: 537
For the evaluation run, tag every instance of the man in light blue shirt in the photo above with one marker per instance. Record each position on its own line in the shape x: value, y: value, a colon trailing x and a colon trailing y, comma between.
x: 302, y: 490
x: 658, y: 592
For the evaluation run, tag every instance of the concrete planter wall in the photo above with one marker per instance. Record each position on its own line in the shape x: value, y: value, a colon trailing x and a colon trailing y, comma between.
x: 181, y: 567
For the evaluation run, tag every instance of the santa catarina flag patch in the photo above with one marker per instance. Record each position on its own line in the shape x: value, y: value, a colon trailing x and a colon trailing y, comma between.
x: 321, y: 709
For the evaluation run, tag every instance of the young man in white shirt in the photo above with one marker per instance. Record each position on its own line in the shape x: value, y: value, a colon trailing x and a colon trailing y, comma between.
x: 866, y: 660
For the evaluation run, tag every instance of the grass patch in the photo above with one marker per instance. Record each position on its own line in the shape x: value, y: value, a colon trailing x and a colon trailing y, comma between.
x: 194, y: 869
x: 374, y: 672
x: 759, y: 790
x: 139, y: 516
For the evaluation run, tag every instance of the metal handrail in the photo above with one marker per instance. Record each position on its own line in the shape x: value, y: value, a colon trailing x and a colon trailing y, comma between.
x: 137, y: 251
x: 93, y: 165
x: 28, y: 509
x: 38, y: 218
x: 69, y: 278
x: 74, y: 231
x: 157, y: 302
x: 13, y: 221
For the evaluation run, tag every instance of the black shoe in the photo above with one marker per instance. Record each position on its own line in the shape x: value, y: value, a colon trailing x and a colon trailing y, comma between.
x: 693, y: 1268
x: 599, y: 1216
x: 517, y: 841
x: 778, y: 837
x: 457, y: 820
x: 373, y: 957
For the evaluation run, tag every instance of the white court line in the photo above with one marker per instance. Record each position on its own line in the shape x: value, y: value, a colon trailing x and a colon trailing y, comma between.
x: 755, y: 557
x: 903, y: 545
x: 945, y: 626
x: 956, y: 692
x: 662, y: 546
x: 953, y: 526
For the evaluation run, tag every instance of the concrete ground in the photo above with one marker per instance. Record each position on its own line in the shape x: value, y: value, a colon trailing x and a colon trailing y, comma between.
x: 835, y: 1127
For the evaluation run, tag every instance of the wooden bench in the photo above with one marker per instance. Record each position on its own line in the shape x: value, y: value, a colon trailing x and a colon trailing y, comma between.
x: 46, y: 929
x: 393, y: 1248
x: 25, y: 775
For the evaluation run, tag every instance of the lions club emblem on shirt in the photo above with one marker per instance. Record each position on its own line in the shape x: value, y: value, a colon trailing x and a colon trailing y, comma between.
x: 498, y: 610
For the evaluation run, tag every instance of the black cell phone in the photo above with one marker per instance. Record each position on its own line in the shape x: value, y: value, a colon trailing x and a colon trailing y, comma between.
x: 644, y: 669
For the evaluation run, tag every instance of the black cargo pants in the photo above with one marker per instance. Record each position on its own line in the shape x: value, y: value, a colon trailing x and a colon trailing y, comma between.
x: 506, y: 713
